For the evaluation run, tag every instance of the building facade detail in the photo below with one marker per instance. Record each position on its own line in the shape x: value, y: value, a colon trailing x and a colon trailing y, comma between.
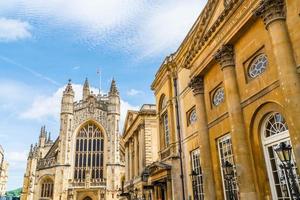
x: 250, y: 49
x: 258, y: 66
x: 140, y: 142
x: 3, y: 172
x: 76, y: 165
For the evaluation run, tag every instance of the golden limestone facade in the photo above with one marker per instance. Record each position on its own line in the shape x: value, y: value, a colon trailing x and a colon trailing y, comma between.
x: 83, y: 163
x: 3, y: 172
x: 140, y: 146
x: 229, y: 95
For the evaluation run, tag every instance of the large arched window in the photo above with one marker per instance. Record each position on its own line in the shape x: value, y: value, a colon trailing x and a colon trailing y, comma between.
x: 274, y: 131
x: 89, y: 154
x: 47, y: 189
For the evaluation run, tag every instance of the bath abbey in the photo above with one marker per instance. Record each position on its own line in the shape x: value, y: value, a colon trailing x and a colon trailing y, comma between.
x: 84, y: 161
x: 224, y: 124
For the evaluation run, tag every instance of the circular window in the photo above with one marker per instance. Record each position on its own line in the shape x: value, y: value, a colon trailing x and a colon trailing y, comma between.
x: 258, y: 66
x: 219, y: 96
x: 193, y: 116
x: 275, y: 124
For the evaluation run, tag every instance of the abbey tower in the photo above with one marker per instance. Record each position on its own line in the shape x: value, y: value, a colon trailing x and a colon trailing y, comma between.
x: 83, y: 163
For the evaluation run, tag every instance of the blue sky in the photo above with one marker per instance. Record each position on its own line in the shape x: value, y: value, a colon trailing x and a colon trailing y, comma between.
x: 44, y: 43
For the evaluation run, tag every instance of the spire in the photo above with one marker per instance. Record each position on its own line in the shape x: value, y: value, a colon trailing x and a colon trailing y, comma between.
x: 86, y: 89
x: 49, y: 137
x: 113, y: 88
x: 31, y: 151
x: 69, y: 89
x: 43, y: 132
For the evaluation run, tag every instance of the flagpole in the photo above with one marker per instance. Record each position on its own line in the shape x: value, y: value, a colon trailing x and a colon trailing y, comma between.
x: 99, y: 73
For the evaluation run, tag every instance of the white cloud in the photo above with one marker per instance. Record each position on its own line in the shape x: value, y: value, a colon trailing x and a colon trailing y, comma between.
x: 44, y: 107
x: 16, y: 156
x: 76, y: 68
x: 125, y: 106
x: 13, y: 30
x: 28, y: 69
x: 134, y: 92
x: 143, y: 26
x: 165, y: 26
x: 39, y: 108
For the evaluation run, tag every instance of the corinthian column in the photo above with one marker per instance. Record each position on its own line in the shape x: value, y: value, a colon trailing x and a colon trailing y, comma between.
x: 273, y: 14
x: 205, y: 155
x: 241, y: 150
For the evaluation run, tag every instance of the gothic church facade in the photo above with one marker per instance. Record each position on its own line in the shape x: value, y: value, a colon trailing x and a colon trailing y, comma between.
x: 83, y: 163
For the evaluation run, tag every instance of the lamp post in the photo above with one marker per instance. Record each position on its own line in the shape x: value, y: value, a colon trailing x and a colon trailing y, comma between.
x: 284, y: 153
x: 228, y: 175
x: 194, y: 175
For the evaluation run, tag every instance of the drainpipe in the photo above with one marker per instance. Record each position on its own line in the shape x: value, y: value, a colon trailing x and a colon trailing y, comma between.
x: 179, y: 137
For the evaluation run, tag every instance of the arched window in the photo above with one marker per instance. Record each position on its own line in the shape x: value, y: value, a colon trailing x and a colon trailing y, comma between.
x: 87, y: 198
x: 163, y: 102
x: 275, y: 131
x: 47, y: 189
x: 89, y: 154
x: 258, y: 66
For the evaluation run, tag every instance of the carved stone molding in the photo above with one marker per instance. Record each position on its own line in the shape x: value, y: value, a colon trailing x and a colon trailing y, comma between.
x: 203, y: 36
x: 225, y: 56
x: 271, y: 10
x: 197, y: 84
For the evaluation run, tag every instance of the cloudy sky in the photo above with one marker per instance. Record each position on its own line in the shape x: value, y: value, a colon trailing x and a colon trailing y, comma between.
x: 44, y: 43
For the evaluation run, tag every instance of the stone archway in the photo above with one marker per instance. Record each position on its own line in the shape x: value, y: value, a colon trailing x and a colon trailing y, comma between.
x: 87, y: 198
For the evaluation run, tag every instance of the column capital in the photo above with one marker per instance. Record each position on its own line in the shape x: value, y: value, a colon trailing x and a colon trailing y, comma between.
x: 271, y: 10
x: 197, y: 85
x: 225, y: 56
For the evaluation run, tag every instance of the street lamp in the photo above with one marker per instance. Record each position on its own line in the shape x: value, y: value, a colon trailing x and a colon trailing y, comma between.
x: 228, y: 175
x: 194, y: 175
x: 284, y: 153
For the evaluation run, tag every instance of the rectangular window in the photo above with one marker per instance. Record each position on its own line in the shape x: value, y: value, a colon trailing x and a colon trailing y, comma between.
x: 166, y: 129
x: 230, y: 187
x: 196, y: 175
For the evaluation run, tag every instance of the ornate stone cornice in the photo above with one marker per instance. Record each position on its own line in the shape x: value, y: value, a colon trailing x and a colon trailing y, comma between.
x: 197, y: 84
x: 271, y: 10
x: 225, y: 56
x: 202, y: 38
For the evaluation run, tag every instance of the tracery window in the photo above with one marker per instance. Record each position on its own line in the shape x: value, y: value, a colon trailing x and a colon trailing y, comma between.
x: 47, y: 189
x: 192, y: 116
x: 219, y: 96
x: 275, y: 124
x: 258, y: 65
x: 89, y: 154
x: 275, y: 131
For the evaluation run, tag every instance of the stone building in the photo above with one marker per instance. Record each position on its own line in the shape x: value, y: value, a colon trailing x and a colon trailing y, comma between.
x: 231, y: 94
x: 141, y: 146
x: 83, y: 163
x: 3, y: 172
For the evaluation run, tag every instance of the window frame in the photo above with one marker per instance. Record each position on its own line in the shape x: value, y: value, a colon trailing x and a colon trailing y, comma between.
x: 222, y: 159
x: 199, y: 193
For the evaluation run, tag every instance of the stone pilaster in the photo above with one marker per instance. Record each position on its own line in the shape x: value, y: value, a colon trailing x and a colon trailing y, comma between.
x: 129, y: 160
x: 205, y: 154
x: 273, y: 14
x: 136, y: 154
x: 241, y: 150
x: 127, y: 173
x: 142, y: 148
